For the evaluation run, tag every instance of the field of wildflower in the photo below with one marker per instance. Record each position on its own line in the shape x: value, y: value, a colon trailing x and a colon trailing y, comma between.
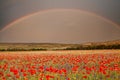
x: 59, y: 66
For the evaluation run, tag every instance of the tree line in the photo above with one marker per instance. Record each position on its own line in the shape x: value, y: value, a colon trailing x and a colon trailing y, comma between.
x: 81, y: 47
x: 94, y: 47
x: 22, y: 49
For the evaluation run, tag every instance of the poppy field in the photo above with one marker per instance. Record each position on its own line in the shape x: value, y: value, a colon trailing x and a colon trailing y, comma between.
x: 59, y: 66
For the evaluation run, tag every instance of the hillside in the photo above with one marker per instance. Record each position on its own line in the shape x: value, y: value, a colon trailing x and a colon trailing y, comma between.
x: 56, y: 46
x: 115, y: 42
x: 34, y: 46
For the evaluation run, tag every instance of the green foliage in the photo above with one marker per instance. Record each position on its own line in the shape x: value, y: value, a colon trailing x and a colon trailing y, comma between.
x: 21, y: 49
x: 37, y: 49
x: 94, y: 47
x: 80, y: 47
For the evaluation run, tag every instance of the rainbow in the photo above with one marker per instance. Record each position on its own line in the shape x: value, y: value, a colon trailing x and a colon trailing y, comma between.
x: 44, y: 11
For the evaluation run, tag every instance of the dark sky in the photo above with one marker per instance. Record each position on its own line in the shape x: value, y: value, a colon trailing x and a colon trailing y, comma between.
x: 11, y: 10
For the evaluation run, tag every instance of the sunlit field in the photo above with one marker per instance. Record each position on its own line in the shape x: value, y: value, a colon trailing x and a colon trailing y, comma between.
x: 60, y: 65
